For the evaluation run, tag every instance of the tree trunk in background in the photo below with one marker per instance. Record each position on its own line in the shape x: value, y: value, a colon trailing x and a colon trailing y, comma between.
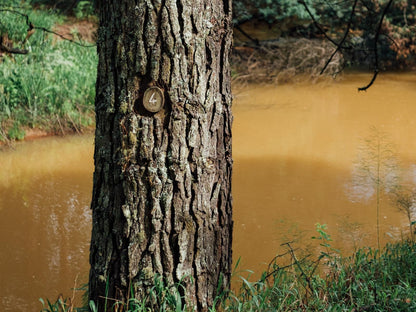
x: 162, y: 182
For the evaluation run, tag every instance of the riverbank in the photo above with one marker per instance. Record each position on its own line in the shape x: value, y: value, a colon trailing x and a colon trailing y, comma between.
x: 51, y: 90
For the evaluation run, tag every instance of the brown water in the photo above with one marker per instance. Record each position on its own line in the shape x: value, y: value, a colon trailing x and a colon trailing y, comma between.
x: 294, y: 148
x: 45, y: 190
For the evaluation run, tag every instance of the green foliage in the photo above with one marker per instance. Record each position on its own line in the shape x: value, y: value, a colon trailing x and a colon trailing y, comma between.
x: 53, y: 86
x: 325, y: 241
x: 84, y: 9
x: 81, y: 9
x: 377, y: 280
x: 60, y: 305
x: 396, y: 43
x: 15, y: 26
x: 163, y: 297
x: 369, y: 280
x: 16, y: 132
x: 270, y: 11
x: 400, y: 34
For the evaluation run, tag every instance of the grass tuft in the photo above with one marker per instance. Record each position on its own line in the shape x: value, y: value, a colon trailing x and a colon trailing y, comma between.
x: 369, y: 280
x: 52, y: 87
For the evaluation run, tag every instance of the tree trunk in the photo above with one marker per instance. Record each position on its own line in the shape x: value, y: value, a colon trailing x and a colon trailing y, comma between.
x: 162, y: 182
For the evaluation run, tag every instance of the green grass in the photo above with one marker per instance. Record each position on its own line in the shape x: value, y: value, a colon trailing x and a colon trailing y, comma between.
x: 52, y: 87
x: 369, y: 280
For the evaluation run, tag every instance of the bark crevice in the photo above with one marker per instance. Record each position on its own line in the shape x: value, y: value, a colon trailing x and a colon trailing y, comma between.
x: 161, y: 200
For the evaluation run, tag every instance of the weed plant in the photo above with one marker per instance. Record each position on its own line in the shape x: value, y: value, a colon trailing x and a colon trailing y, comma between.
x: 375, y: 171
x: 51, y: 87
x: 369, y: 280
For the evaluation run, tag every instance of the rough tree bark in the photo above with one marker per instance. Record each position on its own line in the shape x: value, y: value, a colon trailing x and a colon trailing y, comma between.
x: 162, y: 182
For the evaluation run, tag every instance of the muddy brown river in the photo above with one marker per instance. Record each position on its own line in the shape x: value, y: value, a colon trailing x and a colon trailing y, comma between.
x: 295, y: 151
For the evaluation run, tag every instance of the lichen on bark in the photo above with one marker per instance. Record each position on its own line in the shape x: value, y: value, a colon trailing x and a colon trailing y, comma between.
x: 162, y: 182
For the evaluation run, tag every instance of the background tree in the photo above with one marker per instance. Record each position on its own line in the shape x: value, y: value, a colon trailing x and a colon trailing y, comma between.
x: 162, y: 182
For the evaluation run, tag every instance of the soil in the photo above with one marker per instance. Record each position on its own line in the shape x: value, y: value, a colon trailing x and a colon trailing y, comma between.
x: 83, y: 30
x: 31, y: 134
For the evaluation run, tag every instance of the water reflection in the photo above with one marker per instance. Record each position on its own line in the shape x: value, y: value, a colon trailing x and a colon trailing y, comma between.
x: 280, y: 200
x: 44, y: 221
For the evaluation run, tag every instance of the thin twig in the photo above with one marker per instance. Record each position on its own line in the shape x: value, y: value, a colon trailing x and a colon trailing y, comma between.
x: 73, y: 124
x: 392, y: 40
x: 32, y: 26
x: 3, y: 134
x: 60, y: 125
x: 343, y: 38
x: 376, y: 69
x: 308, y: 280
x: 254, y: 40
x: 12, y: 50
x: 64, y: 38
x: 315, y: 22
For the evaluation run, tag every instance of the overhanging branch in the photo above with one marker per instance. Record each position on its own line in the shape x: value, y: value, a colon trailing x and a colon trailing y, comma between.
x: 376, y: 69
x: 6, y: 49
x: 32, y: 28
x: 315, y: 22
x: 339, y: 45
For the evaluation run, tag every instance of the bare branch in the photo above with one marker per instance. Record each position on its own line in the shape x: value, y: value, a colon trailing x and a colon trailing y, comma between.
x: 315, y: 22
x: 6, y: 49
x: 33, y: 27
x: 371, y: 82
x: 307, y: 278
x: 254, y: 40
x: 376, y: 69
x: 339, y: 46
x: 64, y: 38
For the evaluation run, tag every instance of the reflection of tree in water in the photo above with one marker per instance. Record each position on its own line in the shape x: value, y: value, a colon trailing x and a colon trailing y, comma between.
x: 61, y: 226
x: 288, y: 231
x: 352, y: 233
x: 375, y: 171
x: 404, y: 198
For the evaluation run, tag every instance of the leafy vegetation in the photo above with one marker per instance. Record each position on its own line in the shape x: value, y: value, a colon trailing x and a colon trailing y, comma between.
x: 397, y: 47
x: 396, y: 44
x: 51, y: 87
x: 84, y: 9
x: 270, y: 11
x: 79, y: 8
x: 369, y: 280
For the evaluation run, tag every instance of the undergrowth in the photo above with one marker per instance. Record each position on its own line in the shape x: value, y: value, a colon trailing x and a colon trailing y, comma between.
x: 369, y: 280
x: 52, y: 86
x: 285, y: 60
